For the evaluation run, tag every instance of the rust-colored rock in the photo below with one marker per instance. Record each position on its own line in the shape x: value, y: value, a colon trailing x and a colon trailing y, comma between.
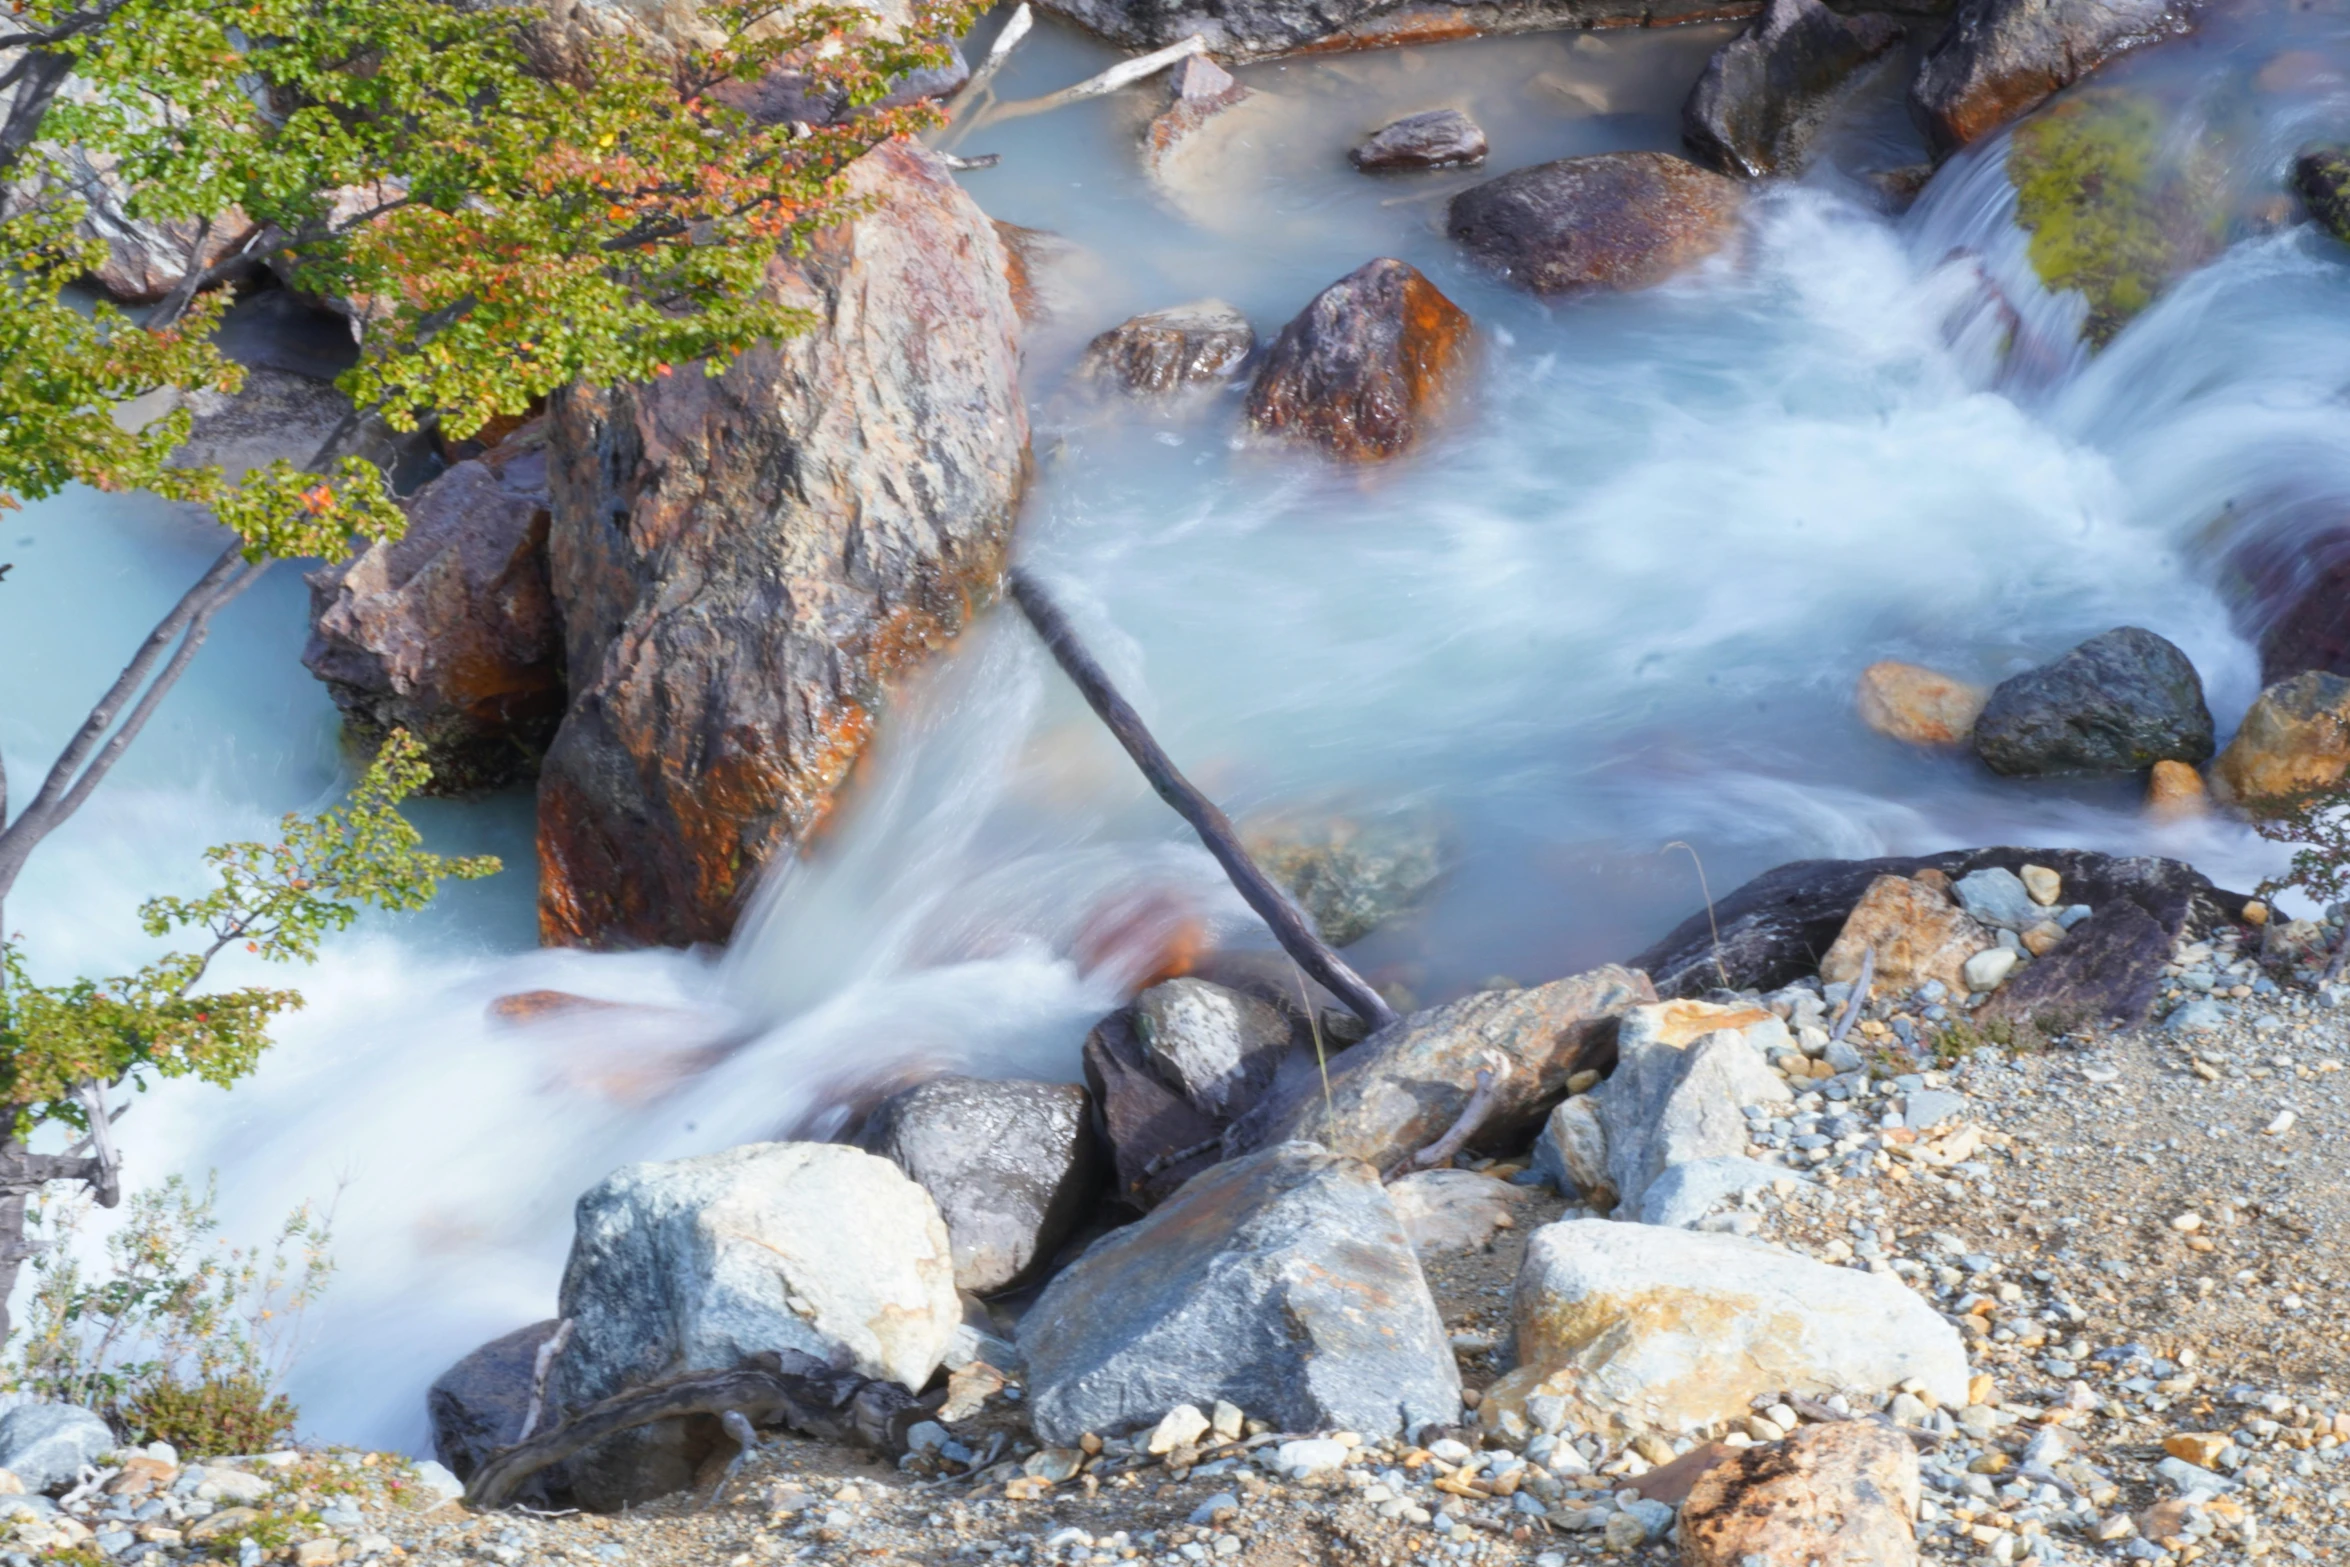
x: 450, y: 633
x: 1917, y: 933
x: 1616, y: 220
x: 2295, y: 740
x: 1367, y: 367
x: 2175, y: 792
x: 745, y: 562
x: 2002, y: 58
x: 1832, y: 1495
x: 1918, y: 705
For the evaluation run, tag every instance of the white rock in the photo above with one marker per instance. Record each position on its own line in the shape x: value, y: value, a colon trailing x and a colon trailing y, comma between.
x: 1687, y: 1192
x: 1452, y: 1210
x: 1988, y: 969
x: 1572, y: 1150
x: 1310, y: 1456
x: 1181, y: 1426
x: 1679, y: 1093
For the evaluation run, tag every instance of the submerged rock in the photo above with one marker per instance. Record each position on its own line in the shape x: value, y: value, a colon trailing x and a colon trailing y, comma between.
x: 450, y: 632
x: 478, y: 1405
x: 1352, y: 873
x: 1834, y: 1495
x: 1282, y: 1284
x: 1917, y: 705
x: 2321, y: 178
x: 1765, y: 93
x: 1169, y: 351
x: 745, y: 563
x: 1435, y: 139
x: 2118, y: 703
x: 1917, y: 933
x: 2294, y: 742
x: 2175, y: 792
x: 1199, y: 90
x: 2001, y: 58
x: 1364, y: 370
x: 1615, y: 220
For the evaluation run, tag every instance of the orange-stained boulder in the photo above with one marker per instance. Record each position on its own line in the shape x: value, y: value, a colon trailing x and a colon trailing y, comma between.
x: 1835, y: 1495
x: 1364, y: 369
x: 1918, y: 705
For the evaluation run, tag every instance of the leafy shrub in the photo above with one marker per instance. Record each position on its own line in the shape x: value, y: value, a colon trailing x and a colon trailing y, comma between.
x: 236, y: 1413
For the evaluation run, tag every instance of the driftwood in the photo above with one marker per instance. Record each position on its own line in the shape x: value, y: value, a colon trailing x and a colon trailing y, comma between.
x: 1860, y: 996
x: 1473, y: 1114
x: 542, y: 1363
x: 998, y: 52
x: 786, y: 1388
x: 1215, y: 829
x: 1120, y: 75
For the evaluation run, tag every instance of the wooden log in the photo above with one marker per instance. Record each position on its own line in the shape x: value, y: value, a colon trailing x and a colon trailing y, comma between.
x: 1215, y: 829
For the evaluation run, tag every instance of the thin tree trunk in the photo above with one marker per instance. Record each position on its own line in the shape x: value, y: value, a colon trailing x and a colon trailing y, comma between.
x: 23, y: 1173
x: 36, y: 88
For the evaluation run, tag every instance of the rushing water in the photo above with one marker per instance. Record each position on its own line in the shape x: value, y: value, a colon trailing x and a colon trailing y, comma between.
x: 1620, y: 601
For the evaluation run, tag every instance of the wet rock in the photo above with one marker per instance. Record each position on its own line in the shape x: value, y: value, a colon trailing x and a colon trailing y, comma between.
x: 1648, y: 1330
x: 2001, y: 58
x: 2297, y: 599
x: 1572, y: 1152
x: 1199, y: 90
x: 1774, y: 927
x: 2118, y: 703
x: 2175, y: 792
x: 697, y: 1264
x: 1917, y: 705
x: 477, y: 1406
x: 1615, y: 220
x: 1435, y: 139
x: 1157, y: 1138
x: 1766, y: 92
x: 1365, y: 369
x: 450, y: 632
x: 1403, y: 1088
x: 1685, y: 1071
x: 1833, y: 1495
x: 1013, y: 1168
x: 2294, y: 740
x: 2321, y: 178
x: 1281, y: 1283
x: 1218, y: 1048
x: 1170, y: 351
x: 46, y: 1446
x: 1917, y: 933
x: 1452, y: 1210
x: 1352, y: 873
x: 2105, y: 973
x: 745, y: 563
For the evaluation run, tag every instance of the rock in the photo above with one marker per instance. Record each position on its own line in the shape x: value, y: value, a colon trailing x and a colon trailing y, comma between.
x: 477, y: 1405
x: 1918, y: 935
x: 697, y: 1264
x: 1256, y: 29
x: 2120, y: 702
x: 2201, y: 1448
x: 1365, y: 369
x: 1452, y: 1210
x: 1916, y: 705
x: 1774, y: 927
x: 1403, y: 1088
x: 1988, y: 970
x: 2321, y: 178
x: 730, y: 636
x: 1282, y: 1283
x: 1925, y: 1108
x: 2043, y: 884
x: 1158, y: 1139
x: 2001, y: 58
x: 2197, y: 1016
x: 1199, y: 90
x: 1183, y: 1425
x: 1684, y: 1073
x: 46, y: 1446
x: 1012, y: 1166
x: 2106, y: 972
x: 1765, y: 93
x: 1997, y: 897
x: 1170, y: 351
x: 1218, y: 1048
x: 1646, y: 1330
x: 450, y: 632
x: 1835, y: 1495
x: 2041, y: 938
x: 1572, y: 1151
x: 275, y: 414
x: 1434, y: 139
x: 1614, y: 220
x: 1353, y: 873
x: 1683, y: 1194
x: 2295, y: 740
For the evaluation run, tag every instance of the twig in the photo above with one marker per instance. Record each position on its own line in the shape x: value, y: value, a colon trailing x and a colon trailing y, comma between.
x: 1176, y: 1156
x: 1708, y: 893
x: 986, y: 160
x: 540, y: 1366
x: 1214, y: 828
x: 1860, y: 996
x: 1482, y: 1099
x: 745, y: 1441
x: 1120, y: 75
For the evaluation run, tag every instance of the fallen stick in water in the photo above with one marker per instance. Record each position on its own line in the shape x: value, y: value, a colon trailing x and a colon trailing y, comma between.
x: 997, y: 53
x: 1213, y: 826
x: 1117, y: 76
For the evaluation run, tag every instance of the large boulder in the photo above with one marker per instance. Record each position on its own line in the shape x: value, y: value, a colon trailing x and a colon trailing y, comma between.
x: 1765, y: 93
x: 745, y: 562
x: 2105, y: 973
x: 1365, y: 369
x: 2000, y: 58
x: 478, y: 1405
x: 2294, y: 742
x: 1685, y: 1072
x: 1013, y: 1167
x: 2118, y: 703
x: 1833, y: 1495
x: 1404, y: 1087
x: 1166, y: 352
x: 450, y: 632
x: 1282, y: 1283
x: 1774, y: 928
x: 698, y: 1264
x: 1634, y: 1329
x: 1613, y: 220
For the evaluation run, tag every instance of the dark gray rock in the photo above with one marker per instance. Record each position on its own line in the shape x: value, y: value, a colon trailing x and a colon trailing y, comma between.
x: 2118, y: 703
x: 1614, y: 220
x: 1014, y: 1168
x: 1765, y: 93
x: 47, y: 1445
x: 1365, y: 369
x: 1436, y: 139
x: 1218, y: 1048
x: 2321, y: 178
x: 2104, y: 974
x: 1157, y: 1138
x: 1777, y: 927
x: 1282, y: 1282
x: 477, y: 1405
x: 2002, y: 58
x: 1168, y: 351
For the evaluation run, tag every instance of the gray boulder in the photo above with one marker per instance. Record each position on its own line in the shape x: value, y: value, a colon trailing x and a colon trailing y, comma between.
x: 1995, y: 895
x: 477, y: 1405
x: 1765, y: 93
x: 1282, y: 1283
x: 1571, y: 1153
x: 2001, y: 58
x: 1436, y: 139
x: 48, y: 1445
x: 2118, y: 703
x: 1687, y: 1194
x: 1013, y: 1168
x: 1218, y: 1048
x: 1678, y: 1094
